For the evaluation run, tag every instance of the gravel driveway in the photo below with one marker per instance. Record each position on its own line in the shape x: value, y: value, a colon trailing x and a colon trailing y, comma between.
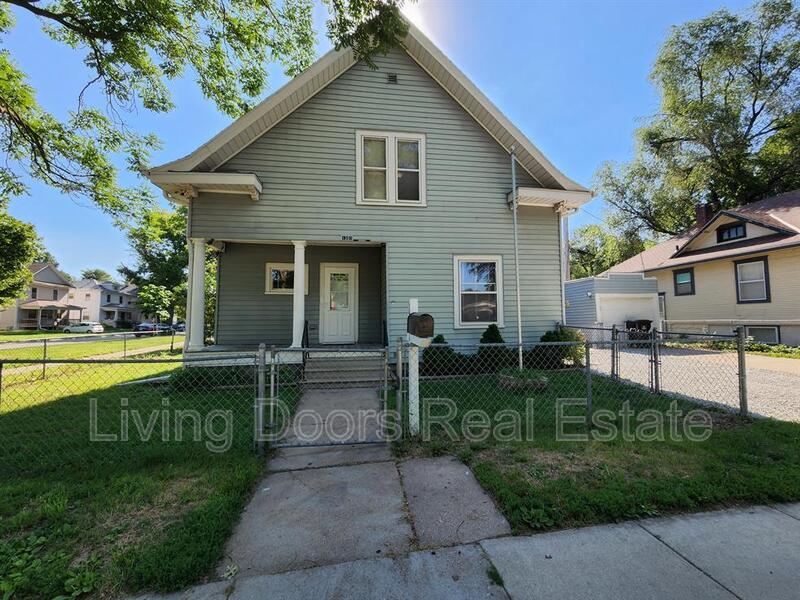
x: 773, y: 388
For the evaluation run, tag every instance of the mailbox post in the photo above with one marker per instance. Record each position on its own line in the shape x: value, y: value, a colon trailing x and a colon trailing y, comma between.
x: 419, y: 331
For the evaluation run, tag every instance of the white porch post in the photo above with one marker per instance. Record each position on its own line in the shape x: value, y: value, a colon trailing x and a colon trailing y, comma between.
x: 299, y: 293
x: 197, y: 292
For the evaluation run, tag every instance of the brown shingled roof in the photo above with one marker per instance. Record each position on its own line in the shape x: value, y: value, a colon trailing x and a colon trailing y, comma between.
x: 781, y: 212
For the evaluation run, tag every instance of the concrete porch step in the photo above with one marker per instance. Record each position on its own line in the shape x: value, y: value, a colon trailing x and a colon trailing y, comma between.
x: 325, y: 384
x: 343, y: 375
x: 342, y: 364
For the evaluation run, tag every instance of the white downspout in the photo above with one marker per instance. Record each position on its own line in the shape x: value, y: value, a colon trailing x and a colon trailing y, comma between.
x: 516, y: 254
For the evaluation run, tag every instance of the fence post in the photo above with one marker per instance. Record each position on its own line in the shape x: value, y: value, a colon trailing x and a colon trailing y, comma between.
x: 272, y: 381
x: 656, y: 356
x: 1, y: 383
x: 413, y: 389
x: 614, y: 350
x: 261, y: 383
x: 399, y: 394
x: 44, y: 358
x: 741, y: 345
x: 587, y: 358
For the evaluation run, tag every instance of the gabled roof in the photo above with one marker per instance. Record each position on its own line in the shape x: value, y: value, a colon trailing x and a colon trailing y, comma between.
x: 779, y: 213
x: 37, y: 267
x: 231, y: 140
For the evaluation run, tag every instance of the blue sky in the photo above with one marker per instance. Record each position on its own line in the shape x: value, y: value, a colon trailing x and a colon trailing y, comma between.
x: 572, y: 75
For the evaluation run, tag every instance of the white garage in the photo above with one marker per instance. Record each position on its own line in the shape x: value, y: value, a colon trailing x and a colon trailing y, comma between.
x: 612, y: 299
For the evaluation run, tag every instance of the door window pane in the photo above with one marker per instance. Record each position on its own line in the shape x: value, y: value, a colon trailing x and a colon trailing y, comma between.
x: 340, y: 291
x: 374, y: 185
x: 374, y: 152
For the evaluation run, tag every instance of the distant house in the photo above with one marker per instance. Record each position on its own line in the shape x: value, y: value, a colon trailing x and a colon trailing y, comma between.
x: 734, y: 267
x: 108, y: 302
x: 48, y: 304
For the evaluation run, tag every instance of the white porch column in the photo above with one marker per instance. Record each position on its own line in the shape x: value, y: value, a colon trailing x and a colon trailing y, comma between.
x: 197, y: 292
x: 299, y: 294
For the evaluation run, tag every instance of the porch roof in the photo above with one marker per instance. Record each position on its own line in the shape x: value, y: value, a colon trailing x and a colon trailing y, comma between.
x: 39, y: 304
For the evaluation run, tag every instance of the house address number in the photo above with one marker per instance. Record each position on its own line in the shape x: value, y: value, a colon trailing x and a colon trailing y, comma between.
x: 347, y: 238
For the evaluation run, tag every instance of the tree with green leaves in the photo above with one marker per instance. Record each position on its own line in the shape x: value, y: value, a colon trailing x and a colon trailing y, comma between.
x: 133, y: 50
x: 17, y: 250
x: 155, y: 301
x: 728, y: 129
x: 96, y: 273
x: 158, y: 239
x: 596, y: 248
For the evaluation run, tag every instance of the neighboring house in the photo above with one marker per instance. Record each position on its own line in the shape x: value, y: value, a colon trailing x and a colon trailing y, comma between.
x: 108, y: 302
x: 49, y: 302
x: 611, y: 299
x: 734, y: 267
x: 352, y: 190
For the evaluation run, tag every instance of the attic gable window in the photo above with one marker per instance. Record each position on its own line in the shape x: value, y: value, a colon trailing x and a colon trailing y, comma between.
x: 730, y: 232
x: 390, y: 168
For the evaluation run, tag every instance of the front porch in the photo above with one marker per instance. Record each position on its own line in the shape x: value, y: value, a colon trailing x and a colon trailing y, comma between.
x: 341, y: 304
x: 44, y: 314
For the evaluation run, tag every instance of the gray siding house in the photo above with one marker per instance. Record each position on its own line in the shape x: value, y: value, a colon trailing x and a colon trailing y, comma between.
x: 351, y: 190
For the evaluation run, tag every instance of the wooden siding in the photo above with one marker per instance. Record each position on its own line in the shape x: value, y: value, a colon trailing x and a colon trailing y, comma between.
x: 306, y: 165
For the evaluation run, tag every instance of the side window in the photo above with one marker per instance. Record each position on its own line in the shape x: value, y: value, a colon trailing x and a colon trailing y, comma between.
x: 684, y: 282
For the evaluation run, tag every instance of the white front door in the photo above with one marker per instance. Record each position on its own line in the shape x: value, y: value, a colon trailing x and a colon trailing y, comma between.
x: 338, y: 303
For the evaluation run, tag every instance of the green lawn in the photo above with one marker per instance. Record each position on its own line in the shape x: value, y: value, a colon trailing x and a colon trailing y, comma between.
x: 109, y: 518
x: 85, y: 349
x: 546, y: 484
x: 23, y: 335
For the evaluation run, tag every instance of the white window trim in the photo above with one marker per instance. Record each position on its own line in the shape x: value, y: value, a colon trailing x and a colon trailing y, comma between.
x: 762, y: 281
x: 391, y: 138
x: 498, y: 260
x: 773, y: 327
x: 268, y: 289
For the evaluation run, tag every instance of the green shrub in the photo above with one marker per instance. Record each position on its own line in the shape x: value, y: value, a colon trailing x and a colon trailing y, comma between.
x: 556, y: 357
x: 493, y: 358
x: 440, y: 359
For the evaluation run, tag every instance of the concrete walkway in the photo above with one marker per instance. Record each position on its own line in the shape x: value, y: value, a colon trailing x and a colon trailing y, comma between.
x: 744, y: 554
x: 55, y: 365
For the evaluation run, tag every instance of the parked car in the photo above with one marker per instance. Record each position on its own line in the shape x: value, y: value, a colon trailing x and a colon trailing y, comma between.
x: 84, y: 327
x: 179, y: 327
x: 152, y: 329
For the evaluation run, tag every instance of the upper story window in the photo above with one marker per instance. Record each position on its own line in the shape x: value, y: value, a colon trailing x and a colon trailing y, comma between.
x: 391, y: 168
x: 478, y: 290
x: 752, y: 281
x: 55, y: 294
x: 34, y: 293
x: 684, y: 282
x: 730, y: 232
x: 108, y: 298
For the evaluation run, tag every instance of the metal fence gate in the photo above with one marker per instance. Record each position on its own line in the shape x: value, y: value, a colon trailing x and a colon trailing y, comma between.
x: 322, y: 396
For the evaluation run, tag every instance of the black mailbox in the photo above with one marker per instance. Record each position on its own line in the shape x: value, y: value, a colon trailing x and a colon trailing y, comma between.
x: 420, y: 325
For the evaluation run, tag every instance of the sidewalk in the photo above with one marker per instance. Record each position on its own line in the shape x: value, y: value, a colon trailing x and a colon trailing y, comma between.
x: 34, y: 366
x: 747, y: 554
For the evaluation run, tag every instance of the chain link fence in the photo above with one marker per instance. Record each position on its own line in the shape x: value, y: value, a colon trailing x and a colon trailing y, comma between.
x: 561, y: 386
x: 107, y: 345
x: 88, y: 413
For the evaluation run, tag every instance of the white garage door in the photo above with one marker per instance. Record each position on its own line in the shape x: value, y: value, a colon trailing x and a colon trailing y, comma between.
x: 615, y: 309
